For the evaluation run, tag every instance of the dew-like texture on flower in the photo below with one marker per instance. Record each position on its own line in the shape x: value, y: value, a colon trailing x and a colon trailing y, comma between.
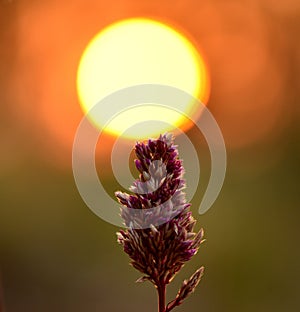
x: 160, y: 250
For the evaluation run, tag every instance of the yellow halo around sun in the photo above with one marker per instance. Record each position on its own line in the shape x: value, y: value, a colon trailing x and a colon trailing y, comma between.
x: 140, y: 51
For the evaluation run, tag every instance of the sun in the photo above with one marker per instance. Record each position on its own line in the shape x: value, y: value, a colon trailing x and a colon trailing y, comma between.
x: 140, y: 51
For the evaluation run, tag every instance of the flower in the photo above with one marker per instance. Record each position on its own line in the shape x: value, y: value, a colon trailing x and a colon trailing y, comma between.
x: 160, y: 237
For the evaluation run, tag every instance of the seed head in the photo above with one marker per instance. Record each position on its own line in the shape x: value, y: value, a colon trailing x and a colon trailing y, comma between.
x: 159, y: 250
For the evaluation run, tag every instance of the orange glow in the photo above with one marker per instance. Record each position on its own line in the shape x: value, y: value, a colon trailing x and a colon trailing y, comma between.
x: 246, y: 65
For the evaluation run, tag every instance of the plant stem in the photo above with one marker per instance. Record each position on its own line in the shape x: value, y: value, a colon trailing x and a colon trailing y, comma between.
x: 171, y: 305
x: 161, y: 289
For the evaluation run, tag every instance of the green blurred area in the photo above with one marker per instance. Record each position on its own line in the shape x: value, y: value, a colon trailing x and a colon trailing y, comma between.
x: 56, y: 255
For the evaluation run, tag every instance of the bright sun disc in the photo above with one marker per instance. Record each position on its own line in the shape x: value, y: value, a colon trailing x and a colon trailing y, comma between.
x: 140, y: 51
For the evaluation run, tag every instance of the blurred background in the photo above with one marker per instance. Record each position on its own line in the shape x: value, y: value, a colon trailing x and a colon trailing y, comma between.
x: 55, y: 254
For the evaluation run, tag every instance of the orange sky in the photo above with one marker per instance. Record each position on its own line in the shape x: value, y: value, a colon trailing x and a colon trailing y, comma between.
x: 242, y: 42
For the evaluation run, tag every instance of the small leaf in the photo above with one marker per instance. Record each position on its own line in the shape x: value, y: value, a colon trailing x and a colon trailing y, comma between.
x: 188, y: 287
x: 142, y: 279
